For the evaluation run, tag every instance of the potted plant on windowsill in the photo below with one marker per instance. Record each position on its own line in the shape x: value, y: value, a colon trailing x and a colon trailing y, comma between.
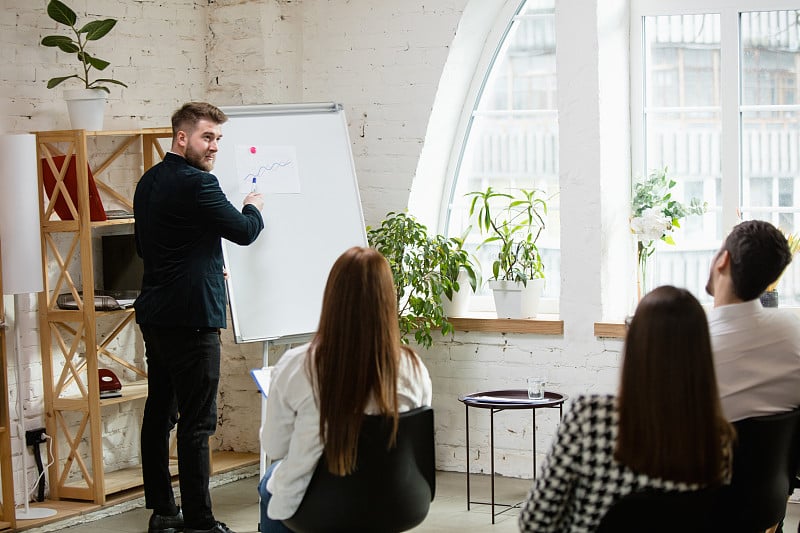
x: 85, y: 105
x: 425, y: 270
x: 458, y: 269
x: 769, y: 298
x: 654, y: 216
x: 513, y: 222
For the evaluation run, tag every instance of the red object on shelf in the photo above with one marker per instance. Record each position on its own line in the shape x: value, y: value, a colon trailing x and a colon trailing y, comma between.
x: 96, y: 211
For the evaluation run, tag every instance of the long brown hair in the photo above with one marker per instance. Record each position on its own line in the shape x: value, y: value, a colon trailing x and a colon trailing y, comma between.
x: 356, y: 352
x: 670, y: 419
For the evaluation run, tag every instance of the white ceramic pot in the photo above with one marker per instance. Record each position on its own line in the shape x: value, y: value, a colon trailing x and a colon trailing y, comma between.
x: 86, y: 108
x: 459, y: 305
x: 512, y: 299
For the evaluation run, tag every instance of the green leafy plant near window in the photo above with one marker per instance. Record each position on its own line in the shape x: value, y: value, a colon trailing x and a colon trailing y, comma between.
x: 91, y: 31
x: 454, y: 259
x: 424, y: 268
x: 515, y: 222
x: 655, y: 214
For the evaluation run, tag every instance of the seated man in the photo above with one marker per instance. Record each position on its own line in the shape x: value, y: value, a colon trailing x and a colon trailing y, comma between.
x: 756, y: 350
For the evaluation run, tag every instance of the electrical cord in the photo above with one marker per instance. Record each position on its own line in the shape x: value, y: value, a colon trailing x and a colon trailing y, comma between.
x: 41, y: 468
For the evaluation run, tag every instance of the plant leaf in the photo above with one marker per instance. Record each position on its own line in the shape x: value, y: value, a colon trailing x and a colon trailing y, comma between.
x: 95, y: 62
x: 56, y: 40
x: 108, y: 80
x: 61, y: 13
x: 55, y: 81
x: 97, y: 28
x: 69, y: 48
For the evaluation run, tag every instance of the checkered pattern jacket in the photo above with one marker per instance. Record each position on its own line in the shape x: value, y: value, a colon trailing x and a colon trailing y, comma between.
x: 580, y: 479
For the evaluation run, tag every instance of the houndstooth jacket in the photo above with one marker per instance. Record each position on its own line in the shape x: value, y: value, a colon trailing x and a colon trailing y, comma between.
x: 580, y: 478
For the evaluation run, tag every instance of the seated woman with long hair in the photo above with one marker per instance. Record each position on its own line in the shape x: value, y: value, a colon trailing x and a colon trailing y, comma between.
x: 320, y: 392
x: 664, y: 429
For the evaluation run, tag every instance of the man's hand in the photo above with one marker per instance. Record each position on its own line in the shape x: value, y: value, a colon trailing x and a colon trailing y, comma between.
x: 255, y: 199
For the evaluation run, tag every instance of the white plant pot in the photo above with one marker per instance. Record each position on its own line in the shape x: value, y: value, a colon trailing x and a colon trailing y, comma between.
x: 512, y: 299
x: 86, y: 108
x: 459, y: 305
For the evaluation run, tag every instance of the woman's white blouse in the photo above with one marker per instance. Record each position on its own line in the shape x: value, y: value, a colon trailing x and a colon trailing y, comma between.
x: 291, y: 428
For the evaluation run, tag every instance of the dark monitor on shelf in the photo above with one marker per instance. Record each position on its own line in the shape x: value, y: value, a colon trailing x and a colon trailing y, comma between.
x: 122, y: 266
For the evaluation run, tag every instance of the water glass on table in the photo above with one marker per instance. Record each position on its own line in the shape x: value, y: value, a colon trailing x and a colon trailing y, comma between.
x: 536, y: 387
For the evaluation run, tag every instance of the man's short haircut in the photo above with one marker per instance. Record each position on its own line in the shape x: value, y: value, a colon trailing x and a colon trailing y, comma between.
x: 759, y: 253
x: 185, y: 118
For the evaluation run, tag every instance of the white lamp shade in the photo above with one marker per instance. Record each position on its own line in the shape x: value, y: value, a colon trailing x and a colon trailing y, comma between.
x: 19, y: 215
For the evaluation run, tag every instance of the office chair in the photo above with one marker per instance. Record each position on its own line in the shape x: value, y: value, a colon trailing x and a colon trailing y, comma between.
x: 659, y: 511
x: 390, y: 490
x: 765, y: 462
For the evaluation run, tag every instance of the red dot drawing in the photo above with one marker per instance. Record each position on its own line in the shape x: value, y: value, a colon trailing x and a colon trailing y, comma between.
x: 252, y: 149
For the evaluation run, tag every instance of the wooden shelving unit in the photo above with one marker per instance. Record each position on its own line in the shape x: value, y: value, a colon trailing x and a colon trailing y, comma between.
x: 83, y: 340
x: 7, y: 519
x: 76, y: 343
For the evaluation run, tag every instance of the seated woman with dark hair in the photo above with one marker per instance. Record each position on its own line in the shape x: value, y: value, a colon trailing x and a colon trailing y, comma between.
x: 664, y: 429
x: 320, y: 392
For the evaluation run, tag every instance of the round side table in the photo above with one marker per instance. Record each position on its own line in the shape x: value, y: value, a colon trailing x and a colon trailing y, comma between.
x: 501, y: 400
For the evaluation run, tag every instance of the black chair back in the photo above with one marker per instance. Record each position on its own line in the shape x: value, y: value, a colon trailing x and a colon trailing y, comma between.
x: 658, y: 511
x: 390, y: 490
x: 765, y: 461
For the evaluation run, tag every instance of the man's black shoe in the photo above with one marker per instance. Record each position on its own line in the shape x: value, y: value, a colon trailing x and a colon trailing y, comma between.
x: 160, y: 523
x: 218, y: 528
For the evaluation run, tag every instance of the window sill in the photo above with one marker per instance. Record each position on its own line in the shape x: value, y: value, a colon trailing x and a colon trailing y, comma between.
x: 546, y: 324
x: 613, y: 330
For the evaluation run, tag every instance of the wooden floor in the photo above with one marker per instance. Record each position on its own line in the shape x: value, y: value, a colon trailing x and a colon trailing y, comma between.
x: 67, y: 509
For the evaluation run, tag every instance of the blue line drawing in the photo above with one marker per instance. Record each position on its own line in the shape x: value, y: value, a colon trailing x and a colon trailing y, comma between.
x: 263, y: 170
x: 267, y: 169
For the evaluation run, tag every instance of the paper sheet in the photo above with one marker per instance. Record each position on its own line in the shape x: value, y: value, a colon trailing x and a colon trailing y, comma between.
x: 262, y: 377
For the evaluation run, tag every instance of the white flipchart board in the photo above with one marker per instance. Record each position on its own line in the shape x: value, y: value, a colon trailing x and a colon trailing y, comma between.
x: 301, y: 158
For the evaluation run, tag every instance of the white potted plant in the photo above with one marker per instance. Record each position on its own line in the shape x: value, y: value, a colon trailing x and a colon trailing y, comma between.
x: 86, y: 105
x: 458, y: 269
x: 514, y: 222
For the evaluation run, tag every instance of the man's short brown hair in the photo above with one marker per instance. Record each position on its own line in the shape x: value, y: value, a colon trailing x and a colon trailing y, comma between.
x: 185, y: 118
x: 758, y: 254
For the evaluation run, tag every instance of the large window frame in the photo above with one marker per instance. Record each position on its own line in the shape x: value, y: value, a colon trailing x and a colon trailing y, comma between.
x: 731, y: 107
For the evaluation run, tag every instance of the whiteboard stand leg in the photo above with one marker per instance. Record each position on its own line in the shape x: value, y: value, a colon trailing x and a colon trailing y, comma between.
x: 285, y: 341
x: 263, y: 457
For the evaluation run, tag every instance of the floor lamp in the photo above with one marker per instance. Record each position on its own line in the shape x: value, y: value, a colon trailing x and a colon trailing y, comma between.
x: 22, y: 259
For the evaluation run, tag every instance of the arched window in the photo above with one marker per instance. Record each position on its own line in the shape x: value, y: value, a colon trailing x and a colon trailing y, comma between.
x: 511, y: 135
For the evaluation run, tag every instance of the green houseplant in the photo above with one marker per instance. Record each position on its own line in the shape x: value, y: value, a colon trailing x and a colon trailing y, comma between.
x: 513, y: 222
x: 459, y: 268
x: 655, y: 215
x: 424, y: 268
x: 90, y: 99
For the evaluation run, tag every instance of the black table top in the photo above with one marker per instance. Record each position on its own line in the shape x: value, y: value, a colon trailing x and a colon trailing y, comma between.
x: 511, y: 399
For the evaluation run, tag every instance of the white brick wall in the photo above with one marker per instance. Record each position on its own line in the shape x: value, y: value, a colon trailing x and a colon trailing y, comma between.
x: 383, y: 61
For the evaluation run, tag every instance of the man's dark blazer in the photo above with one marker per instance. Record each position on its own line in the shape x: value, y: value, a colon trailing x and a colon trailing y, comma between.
x: 181, y: 215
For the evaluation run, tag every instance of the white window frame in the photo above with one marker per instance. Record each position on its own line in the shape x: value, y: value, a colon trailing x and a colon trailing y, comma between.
x: 729, y: 83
